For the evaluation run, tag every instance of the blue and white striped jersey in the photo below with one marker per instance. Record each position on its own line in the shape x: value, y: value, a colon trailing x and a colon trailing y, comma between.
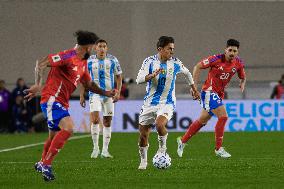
x: 161, y: 89
x: 103, y: 71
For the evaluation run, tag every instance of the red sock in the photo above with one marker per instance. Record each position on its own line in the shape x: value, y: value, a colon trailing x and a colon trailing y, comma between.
x: 45, y: 148
x: 57, y: 143
x: 219, y: 131
x: 192, y: 130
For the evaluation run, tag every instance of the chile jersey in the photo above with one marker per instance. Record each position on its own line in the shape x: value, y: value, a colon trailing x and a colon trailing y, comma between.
x: 221, y: 72
x: 67, y: 69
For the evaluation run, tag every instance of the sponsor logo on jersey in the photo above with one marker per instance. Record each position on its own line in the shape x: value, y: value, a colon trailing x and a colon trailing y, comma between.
x: 109, y: 113
x: 75, y: 68
x: 56, y: 58
x: 221, y: 68
x: 101, y: 66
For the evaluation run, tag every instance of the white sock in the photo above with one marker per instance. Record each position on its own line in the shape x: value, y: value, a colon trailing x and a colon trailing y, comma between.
x: 143, y: 153
x: 106, y: 137
x: 95, y: 132
x: 163, y: 142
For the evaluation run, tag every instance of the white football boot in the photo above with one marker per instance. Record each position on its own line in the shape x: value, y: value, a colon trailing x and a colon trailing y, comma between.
x: 222, y: 153
x: 143, y: 165
x: 95, y: 153
x: 106, y: 154
x: 180, y: 147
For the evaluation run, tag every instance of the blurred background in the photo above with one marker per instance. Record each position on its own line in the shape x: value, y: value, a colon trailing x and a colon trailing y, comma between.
x: 31, y: 29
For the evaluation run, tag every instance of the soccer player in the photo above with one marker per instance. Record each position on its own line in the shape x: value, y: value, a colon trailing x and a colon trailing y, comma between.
x: 68, y: 68
x: 222, y: 68
x: 159, y: 72
x: 103, y: 68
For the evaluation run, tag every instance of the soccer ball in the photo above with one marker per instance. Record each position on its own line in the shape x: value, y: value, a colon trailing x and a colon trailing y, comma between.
x: 161, y: 160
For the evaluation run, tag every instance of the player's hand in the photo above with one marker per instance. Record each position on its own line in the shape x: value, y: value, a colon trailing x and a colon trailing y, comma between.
x: 110, y: 93
x: 156, y: 72
x: 31, y: 92
x: 116, y: 97
x: 82, y: 101
x: 195, y: 94
x: 242, y: 87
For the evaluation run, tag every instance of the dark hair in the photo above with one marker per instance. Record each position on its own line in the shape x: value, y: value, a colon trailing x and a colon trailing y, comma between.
x: 85, y: 37
x: 164, y: 41
x: 100, y: 41
x: 233, y: 42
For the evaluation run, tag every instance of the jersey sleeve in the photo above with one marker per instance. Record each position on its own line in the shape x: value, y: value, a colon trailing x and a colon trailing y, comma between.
x: 241, y: 70
x: 56, y: 59
x: 209, y: 61
x: 117, y: 67
x: 182, y: 69
x: 145, y: 69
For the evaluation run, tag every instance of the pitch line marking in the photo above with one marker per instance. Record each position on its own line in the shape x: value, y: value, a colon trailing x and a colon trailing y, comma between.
x: 37, y: 144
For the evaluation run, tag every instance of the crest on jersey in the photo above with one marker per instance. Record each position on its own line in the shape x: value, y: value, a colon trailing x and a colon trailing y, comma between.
x: 221, y: 68
x: 234, y: 70
x: 163, y: 71
x: 205, y: 62
x: 101, y: 66
x: 75, y: 68
x: 56, y: 58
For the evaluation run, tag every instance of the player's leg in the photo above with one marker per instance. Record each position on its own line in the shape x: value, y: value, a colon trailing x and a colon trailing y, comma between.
x: 66, y: 130
x: 106, y: 136
x: 146, y: 119
x: 192, y: 130
x: 38, y: 165
x: 95, y: 108
x: 95, y: 132
x: 222, y: 116
x: 144, y: 132
x: 108, y: 112
x: 164, y: 114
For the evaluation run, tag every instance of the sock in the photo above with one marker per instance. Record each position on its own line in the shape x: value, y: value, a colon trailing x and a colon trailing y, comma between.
x: 219, y: 131
x: 106, y: 137
x: 95, y: 132
x: 45, y: 148
x: 143, y: 153
x: 57, y: 144
x: 163, y: 142
x: 192, y: 130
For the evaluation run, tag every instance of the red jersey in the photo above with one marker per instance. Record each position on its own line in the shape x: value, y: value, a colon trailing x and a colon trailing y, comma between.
x: 221, y: 72
x: 280, y: 91
x: 67, y: 69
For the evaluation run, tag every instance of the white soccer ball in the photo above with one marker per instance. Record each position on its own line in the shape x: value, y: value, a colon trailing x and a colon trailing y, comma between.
x: 162, y: 160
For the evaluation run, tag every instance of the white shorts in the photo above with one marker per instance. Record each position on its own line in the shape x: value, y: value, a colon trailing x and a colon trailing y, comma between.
x: 98, y: 104
x: 149, y: 114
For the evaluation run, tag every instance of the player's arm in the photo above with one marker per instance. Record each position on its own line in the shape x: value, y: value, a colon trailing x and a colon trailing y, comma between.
x: 274, y: 93
x: 145, y: 73
x: 39, y: 70
x: 118, y: 87
x: 93, y: 87
x: 82, y: 96
x: 242, y: 76
x: 190, y: 81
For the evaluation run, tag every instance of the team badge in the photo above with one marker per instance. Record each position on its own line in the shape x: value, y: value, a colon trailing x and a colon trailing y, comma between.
x: 234, y: 70
x: 101, y: 66
x: 164, y: 71
x: 171, y: 71
x: 205, y: 62
x: 56, y: 58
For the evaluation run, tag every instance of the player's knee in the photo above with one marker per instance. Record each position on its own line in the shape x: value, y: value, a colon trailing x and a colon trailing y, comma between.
x: 223, y: 118
x: 96, y: 121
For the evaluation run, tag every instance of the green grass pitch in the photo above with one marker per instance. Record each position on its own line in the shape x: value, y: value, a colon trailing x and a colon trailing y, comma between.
x: 257, y: 162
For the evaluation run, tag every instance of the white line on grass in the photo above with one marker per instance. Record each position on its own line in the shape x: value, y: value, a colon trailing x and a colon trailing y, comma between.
x: 37, y: 144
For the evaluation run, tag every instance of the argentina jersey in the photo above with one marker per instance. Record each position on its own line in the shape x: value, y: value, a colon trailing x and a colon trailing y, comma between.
x: 103, y: 71
x: 161, y: 89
